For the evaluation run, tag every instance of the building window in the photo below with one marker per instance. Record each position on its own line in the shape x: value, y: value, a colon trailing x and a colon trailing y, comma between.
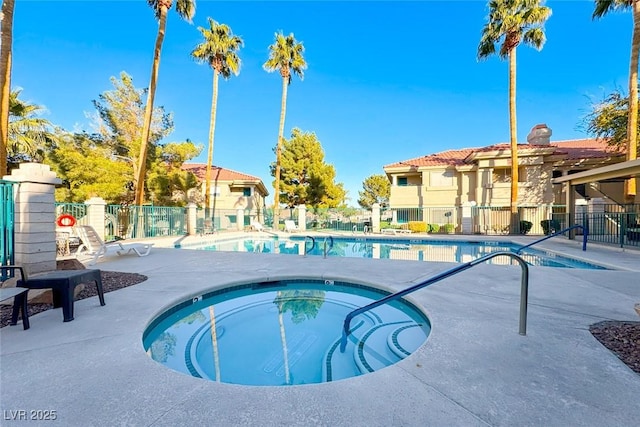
x: 246, y: 192
x: 402, y: 181
x: 503, y: 175
x: 442, y: 179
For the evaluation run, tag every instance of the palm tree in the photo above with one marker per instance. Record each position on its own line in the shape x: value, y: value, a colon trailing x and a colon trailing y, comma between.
x: 5, y: 79
x: 285, y: 54
x: 602, y: 7
x: 511, y: 22
x: 219, y: 49
x: 27, y: 134
x: 186, y: 9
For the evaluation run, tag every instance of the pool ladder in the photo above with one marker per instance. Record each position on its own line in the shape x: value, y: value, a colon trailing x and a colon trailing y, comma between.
x: 325, y: 250
x: 524, y: 292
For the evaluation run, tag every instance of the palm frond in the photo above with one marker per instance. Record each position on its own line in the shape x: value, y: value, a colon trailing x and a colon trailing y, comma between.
x: 603, y: 7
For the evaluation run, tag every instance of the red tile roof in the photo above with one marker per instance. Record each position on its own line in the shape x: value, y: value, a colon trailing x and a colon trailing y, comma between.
x: 573, y: 149
x: 200, y: 169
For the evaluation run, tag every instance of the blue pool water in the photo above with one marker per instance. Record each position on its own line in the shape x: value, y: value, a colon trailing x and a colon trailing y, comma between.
x: 284, y: 333
x: 404, y: 249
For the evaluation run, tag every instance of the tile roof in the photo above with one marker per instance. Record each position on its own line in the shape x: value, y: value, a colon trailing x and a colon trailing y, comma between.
x: 200, y: 169
x: 572, y: 149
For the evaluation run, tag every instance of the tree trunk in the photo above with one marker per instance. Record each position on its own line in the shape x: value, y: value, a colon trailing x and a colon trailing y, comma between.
x: 148, y: 110
x: 283, y: 340
x: 276, y: 187
x: 632, y: 125
x: 513, y: 132
x: 212, y: 128
x: 5, y: 80
x: 214, y: 342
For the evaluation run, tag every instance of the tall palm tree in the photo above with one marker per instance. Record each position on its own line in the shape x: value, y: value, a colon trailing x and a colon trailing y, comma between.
x: 511, y: 22
x: 602, y: 7
x: 186, y: 9
x: 285, y: 54
x: 220, y: 50
x: 5, y: 79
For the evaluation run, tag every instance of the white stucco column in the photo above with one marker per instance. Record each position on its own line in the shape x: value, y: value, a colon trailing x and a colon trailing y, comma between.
x: 302, y: 217
x: 35, y: 217
x: 191, y: 219
x: 467, y: 217
x: 375, y: 218
x: 595, y: 216
x: 95, y: 212
x: 240, y: 219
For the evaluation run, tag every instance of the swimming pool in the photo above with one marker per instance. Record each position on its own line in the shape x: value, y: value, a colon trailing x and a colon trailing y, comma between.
x: 284, y: 333
x: 399, y: 249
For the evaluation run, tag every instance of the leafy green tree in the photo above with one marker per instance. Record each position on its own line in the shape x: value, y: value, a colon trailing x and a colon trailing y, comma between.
x: 119, y: 114
x: 87, y: 167
x: 28, y: 134
x: 602, y: 8
x: 608, y: 120
x: 510, y: 23
x: 306, y: 178
x: 220, y: 50
x: 167, y: 182
x: 104, y: 163
x: 6, y: 48
x: 375, y: 189
x: 186, y: 10
x: 285, y: 55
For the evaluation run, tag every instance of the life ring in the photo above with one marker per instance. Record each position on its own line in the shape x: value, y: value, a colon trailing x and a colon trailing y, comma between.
x: 66, y: 220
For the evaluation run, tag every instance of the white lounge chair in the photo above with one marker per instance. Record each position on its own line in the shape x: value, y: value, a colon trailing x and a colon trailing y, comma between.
x: 290, y: 226
x: 94, y: 247
x: 257, y: 226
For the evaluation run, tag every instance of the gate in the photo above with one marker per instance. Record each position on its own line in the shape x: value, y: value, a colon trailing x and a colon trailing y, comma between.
x: 6, y: 223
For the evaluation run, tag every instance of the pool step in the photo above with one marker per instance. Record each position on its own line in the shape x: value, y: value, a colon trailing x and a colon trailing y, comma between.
x: 372, y: 351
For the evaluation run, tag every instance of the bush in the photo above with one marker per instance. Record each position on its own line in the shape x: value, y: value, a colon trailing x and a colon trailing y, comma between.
x: 525, y: 226
x: 550, y: 226
x: 418, y: 226
x: 434, y: 228
x: 448, y: 227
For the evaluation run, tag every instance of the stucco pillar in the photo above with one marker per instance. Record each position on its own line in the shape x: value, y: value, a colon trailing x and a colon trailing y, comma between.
x: 96, y: 207
x: 240, y: 219
x: 570, y: 208
x: 302, y: 217
x: 192, y: 219
x: 595, y: 218
x: 467, y: 217
x: 375, y: 218
x: 35, y: 216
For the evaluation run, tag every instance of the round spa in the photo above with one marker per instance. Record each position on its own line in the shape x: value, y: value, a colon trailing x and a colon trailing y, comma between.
x: 284, y: 333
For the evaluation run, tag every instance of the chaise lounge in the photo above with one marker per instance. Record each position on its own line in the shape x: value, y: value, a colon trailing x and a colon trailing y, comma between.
x: 94, y: 247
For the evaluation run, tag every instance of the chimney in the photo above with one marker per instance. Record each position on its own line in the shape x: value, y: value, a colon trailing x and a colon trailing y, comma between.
x: 539, y: 135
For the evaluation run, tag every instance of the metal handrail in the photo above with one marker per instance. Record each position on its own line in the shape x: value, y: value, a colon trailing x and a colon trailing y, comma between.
x: 326, y: 251
x: 524, y: 292
x: 585, y: 234
x: 313, y: 244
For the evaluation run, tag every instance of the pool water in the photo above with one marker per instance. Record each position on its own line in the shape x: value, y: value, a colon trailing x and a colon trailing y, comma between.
x: 284, y: 333
x: 401, y: 249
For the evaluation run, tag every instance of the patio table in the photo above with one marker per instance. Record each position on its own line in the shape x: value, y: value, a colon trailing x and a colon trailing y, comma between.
x: 63, y: 284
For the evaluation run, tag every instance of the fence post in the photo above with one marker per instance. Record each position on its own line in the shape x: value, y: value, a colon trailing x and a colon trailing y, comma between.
x: 96, y: 209
x: 302, y: 217
x: 191, y: 219
x: 375, y: 218
x: 35, y: 216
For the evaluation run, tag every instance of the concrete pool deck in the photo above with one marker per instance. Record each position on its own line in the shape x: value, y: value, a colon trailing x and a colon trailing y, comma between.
x: 474, y: 369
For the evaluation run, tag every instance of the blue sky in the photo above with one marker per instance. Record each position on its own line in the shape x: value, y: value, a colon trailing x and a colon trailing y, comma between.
x: 387, y: 80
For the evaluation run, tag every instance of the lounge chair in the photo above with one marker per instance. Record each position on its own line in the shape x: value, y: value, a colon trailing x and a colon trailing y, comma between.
x: 290, y: 226
x: 94, y: 247
x: 257, y: 226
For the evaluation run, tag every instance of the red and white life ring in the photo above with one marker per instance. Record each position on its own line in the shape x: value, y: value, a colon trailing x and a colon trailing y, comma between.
x: 66, y: 220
